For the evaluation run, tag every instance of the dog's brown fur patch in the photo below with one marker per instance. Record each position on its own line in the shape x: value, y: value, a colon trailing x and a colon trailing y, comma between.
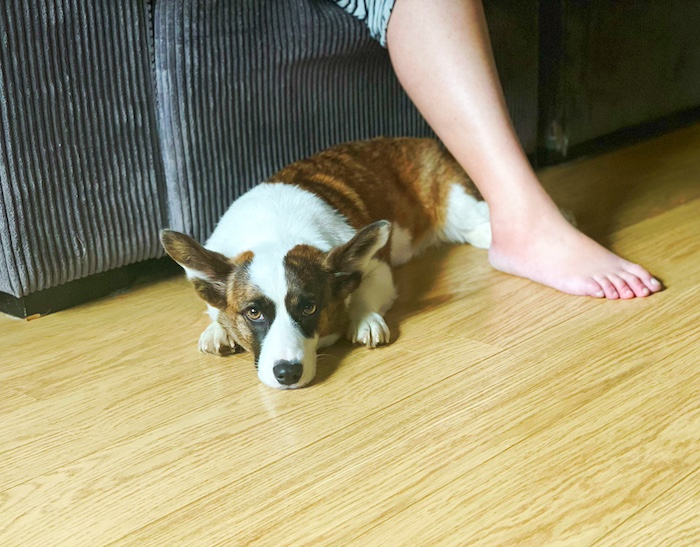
x: 187, y: 252
x: 405, y: 181
x: 310, y: 273
x: 239, y: 294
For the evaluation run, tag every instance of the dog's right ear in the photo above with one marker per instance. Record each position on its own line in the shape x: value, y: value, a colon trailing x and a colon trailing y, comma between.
x: 208, y: 270
x: 349, y: 261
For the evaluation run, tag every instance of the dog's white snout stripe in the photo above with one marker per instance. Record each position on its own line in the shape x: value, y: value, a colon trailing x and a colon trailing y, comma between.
x: 284, y: 340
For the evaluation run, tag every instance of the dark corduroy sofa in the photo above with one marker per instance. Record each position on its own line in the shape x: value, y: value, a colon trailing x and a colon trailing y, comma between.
x: 121, y: 117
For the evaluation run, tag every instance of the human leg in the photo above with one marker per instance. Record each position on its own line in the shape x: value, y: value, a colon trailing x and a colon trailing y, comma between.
x: 442, y: 55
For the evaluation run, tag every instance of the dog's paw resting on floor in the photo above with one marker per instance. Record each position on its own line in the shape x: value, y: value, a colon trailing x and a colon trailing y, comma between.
x: 215, y: 340
x: 370, y: 331
x: 306, y: 257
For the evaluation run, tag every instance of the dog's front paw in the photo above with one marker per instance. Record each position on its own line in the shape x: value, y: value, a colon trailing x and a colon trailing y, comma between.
x: 215, y: 340
x: 370, y: 331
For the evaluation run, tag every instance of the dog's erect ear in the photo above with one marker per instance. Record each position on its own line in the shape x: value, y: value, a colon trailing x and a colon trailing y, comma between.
x: 349, y: 261
x: 207, y: 269
x: 198, y: 261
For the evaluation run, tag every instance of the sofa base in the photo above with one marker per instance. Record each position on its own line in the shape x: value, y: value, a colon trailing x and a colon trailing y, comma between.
x: 89, y: 288
x: 619, y: 139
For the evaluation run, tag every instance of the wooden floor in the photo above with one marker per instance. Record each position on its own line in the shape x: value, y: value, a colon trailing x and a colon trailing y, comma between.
x: 504, y: 413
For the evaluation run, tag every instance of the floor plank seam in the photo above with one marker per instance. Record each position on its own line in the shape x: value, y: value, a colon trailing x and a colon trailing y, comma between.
x: 646, y: 505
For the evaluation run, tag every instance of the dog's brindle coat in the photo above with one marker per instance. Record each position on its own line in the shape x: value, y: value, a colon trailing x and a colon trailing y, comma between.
x: 300, y: 260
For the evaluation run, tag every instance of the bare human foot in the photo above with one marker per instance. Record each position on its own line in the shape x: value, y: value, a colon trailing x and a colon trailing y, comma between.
x: 545, y: 248
x: 441, y: 52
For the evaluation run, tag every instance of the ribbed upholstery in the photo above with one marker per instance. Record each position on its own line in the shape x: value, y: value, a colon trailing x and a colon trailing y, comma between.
x: 79, y: 161
x: 245, y: 87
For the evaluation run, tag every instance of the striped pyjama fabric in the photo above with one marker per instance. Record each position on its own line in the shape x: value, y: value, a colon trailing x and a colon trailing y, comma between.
x: 375, y: 14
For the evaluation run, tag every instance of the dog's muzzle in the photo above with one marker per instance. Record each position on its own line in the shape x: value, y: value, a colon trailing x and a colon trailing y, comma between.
x: 287, y: 373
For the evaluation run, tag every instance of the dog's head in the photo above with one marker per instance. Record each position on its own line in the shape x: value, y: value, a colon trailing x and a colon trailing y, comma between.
x: 278, y: 302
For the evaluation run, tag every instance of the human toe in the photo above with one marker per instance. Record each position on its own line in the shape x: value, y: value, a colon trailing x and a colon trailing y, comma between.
x: 592, y: 288
x: 633, y: 282
x: 623, y: 289
x: 608, y: 288
x: 649, y: 281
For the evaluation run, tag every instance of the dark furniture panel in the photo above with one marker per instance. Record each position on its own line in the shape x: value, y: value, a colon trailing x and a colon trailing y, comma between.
x: 607, y: 66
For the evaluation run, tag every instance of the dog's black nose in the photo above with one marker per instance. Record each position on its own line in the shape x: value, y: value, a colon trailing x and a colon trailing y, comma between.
x: 287, y: 373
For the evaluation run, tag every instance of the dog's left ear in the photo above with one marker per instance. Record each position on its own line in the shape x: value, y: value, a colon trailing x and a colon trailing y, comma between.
x: 208, y: 270
x: 349, y: 261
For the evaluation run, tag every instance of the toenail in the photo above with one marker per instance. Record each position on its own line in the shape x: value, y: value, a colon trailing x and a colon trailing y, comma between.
x: 600, y: 294
x: 655, y: 282
x: 645, y: 291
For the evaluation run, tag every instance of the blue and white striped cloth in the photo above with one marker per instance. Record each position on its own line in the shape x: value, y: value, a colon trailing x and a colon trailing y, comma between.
x: 375, y: 14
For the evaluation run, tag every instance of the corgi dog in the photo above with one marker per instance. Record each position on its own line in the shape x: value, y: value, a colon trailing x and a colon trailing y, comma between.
x: 306, y: 257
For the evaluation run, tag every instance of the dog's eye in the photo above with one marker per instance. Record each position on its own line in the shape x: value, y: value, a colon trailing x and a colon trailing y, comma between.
x: 309, y: 309
x: 253, y: 314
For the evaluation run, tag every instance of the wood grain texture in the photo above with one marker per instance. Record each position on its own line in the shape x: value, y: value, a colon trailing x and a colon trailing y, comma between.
x: 671, y: 519
x: 503, y: 413
x: 11, y: 400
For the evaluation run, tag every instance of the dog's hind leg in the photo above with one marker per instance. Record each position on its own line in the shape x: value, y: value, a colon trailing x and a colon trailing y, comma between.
x: 467, y: 219
x: 369, y: 303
